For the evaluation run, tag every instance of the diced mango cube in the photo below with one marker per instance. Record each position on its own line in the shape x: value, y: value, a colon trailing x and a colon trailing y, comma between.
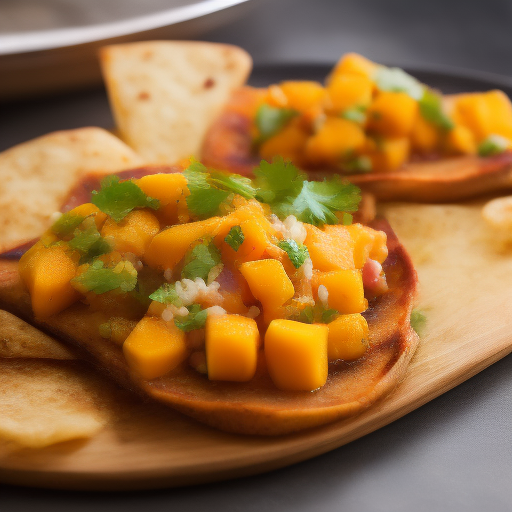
x: 288, y: 143
x: 256, y: 230
x: 172, y: 191
x: 460, y: 140
x: 392, y: 114
x: 424, y: 136
x: 368, y: 243
x: 345, y: 287
x: 484, y: 114
x: 335, y: 140
x: 89, y: 209
x: 348, y: 337
x: 133, y: 233
x: 331, y: 248
x: 170, y: 245
x: 390, y: 154
x: 302, y: 95
x: 154, y: 348
x: 231, y: 347
x: 296, y: 355
x: 355, y: 64
x: 47, y: 272
x: 268, y: 283
x: 348, y: 91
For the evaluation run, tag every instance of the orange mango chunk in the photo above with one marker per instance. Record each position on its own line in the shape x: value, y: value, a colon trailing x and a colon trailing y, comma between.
x: 302, y: 95
x: 484, y: 114
x: 47, y: 272
x: 172, y: 191
x: 88, y: 209
x: 460, y: 140
x: 336, y: 139
x: 268, y: 283
x: 169, y: 246
x: 345, y: 287
x: 368, y: 243
x: 132, y: 234
x: 390, y: 154
x: 256, y: 230
x: 231, y: 347
x: 154, y: 348
x: 296, y: 355
x: 288, y: 143
x: 348, y: 337
x: 392, y: 114
x: 331, y: 248
x: 424, y: 136
x: 356, y: 64
x: 348, y: 91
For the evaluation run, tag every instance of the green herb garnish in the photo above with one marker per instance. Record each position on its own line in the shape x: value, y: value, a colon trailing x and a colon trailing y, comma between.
x: 493, y: 145
x: 317, y: 313
x: 431, y: 109
x: 195, y: 319
x: 397, y: 80
x: 118, y: 198
x: 200, y: 260
x: 270, y: 120
x: 328, y: 315
x: 167, y: 294
x: 235, y: 238
x: 100, y: 279
x: 286, y: 190
x: 208, y: 190
x: 418, y: 321
x: 358, y: 165
x: 89, y: 243
x: 355, y: 114
x: 66, y: 224
x: 296, y: 252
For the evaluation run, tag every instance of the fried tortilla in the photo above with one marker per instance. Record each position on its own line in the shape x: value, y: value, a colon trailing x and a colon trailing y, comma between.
x: 229, y: 145
x: 165, y: 94
x: 255, y: 407
x: 36, y: 177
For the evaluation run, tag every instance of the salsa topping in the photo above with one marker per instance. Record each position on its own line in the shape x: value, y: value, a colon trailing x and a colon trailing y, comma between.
x: 213, y: 269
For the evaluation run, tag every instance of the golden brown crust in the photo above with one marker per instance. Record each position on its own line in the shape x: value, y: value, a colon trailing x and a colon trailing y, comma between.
x: 256, y: 407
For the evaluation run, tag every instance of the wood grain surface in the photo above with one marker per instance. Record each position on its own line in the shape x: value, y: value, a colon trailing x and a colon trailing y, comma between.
x: 464, y: 271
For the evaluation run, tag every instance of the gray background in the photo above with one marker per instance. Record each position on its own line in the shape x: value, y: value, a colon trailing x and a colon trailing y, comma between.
x: 453, y: 454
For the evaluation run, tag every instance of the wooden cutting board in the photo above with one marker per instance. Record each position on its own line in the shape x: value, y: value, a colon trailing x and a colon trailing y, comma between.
x: 464, y: 273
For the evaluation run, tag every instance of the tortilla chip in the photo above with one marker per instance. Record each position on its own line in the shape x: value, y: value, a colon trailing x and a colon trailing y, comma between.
x: 36, y: 177
x: 47, y: 402
x: 20, y: 340
x: 165, y: 94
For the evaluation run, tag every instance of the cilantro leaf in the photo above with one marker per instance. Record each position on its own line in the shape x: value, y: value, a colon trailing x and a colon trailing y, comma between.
x: 296, y: 252
x: 360, y: 164
x: 493, y: 145
x: 195, y: 319
x: 209, y: 190
x: 431, y: 109
x: 100, y: 279
x: 355, y: 114
x: 319, y: 200
x: 418, y: 321
x: 277, y: 181
x: 235, y: 238
x: 270, y: 120
x: 397, y: 80
x: 66, y: 224
x: 200, y: 260
x: 328, y: 315
x: 167, y: 294
x: 118, y: 198
x: 316, y: 314
x: 89, y: 243
x: 234, y: 183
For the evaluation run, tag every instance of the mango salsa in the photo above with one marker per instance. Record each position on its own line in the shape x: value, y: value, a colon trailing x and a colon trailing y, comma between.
x: 251, y: 276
